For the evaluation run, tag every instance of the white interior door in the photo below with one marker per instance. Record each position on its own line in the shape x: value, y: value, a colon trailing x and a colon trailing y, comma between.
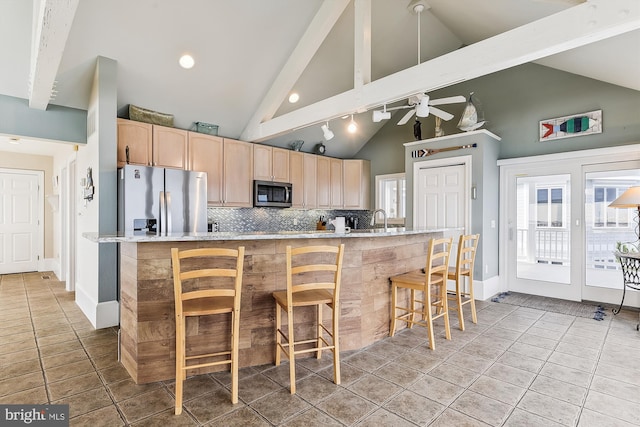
x: 440, y: 197
x: 20, y: 230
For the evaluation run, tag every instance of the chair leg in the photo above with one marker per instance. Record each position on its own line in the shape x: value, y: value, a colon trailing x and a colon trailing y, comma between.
x: 278, y: 335
x: 292, y: 354
x: 429, y: 317
x: 412, y: 316
x: 336, y: 343
x: 445, y: 308
x: 394, y: 303
x: 472, y: 302
x: 319, y: 342
x: 180, y: 350
x: 459, y: 285
x: 235, y: 343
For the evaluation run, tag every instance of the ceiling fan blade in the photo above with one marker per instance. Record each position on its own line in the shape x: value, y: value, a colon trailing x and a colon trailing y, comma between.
x: 449, y: 100
x: 407, y: 116
x: 442, y: 114
x: 402, y: 107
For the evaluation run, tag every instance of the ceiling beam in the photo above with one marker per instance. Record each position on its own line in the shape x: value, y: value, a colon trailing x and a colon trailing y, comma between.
x: 309, y: 43
x: 51, y: 27
x: 577, y: 26
x: 362, y: 45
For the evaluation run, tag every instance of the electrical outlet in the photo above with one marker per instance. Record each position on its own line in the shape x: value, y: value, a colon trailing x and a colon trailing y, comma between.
x: 486, y: 269
x: 295, y: 221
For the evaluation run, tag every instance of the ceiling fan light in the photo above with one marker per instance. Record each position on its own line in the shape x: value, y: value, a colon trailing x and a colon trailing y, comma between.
x: 422, y: 109
x: 328, y: 133
x: 378, y: 115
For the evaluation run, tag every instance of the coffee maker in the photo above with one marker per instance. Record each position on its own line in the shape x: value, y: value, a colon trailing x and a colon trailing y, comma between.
x: 352, y: 222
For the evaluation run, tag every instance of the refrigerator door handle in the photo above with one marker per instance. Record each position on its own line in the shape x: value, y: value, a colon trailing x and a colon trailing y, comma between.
x: 163, y: 213
x: 168, y: 218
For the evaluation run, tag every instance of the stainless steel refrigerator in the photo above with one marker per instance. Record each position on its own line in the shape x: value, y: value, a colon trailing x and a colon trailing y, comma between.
x: 161, y: 201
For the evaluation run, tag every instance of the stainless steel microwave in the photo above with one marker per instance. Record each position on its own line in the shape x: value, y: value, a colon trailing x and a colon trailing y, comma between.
x: 272, y: 194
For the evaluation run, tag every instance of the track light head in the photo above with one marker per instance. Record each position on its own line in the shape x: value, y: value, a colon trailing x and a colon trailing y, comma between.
x: 326, y: 132
x: 378, y: 115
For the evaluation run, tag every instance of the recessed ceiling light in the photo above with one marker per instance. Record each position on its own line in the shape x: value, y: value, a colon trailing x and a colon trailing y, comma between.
x: 186, y: 61
x: 294, y: 97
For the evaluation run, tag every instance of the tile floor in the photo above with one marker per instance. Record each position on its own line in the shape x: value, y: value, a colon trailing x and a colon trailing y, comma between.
x: 516, y: 367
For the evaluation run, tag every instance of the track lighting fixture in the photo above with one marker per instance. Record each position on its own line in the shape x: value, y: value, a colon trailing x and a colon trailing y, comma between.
x: 378, y: 115
x: 328, y: 134
x: 353, y: 127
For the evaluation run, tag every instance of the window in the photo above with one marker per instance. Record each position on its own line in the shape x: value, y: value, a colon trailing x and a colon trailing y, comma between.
x: 604, y: 216
x: 550, y: 207
x: 390, y: 196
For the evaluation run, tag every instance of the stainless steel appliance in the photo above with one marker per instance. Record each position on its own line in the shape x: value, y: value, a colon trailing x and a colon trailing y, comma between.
x: 160, y: 201
x: 272, y: 194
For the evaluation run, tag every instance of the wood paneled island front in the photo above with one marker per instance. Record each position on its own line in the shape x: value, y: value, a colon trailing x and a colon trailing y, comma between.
x: 147, y: 326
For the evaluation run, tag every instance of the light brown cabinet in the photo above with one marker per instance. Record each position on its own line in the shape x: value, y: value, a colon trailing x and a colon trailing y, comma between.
x: 151, y: 145
x: 169, y: 147
x: 136, y: 138
x: 206, y: 155
x: 310, y: 181
x: 356, y: 178
x: 237, y: 173
x: 336, y: 185
x: 270, y: 163
x: 323, y: 182
x: 229, y: 167
x: 302, y: 174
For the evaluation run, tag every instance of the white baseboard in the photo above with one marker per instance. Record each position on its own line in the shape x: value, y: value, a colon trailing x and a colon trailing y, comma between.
x: 101, y: 315
x: 50, y: 264
x: 483, y: 290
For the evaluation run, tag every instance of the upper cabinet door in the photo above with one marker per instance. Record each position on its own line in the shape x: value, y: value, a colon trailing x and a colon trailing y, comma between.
x: 270, y: 163
x: 356, y: 178
x: 296, y: 175
x: 336, y: 187
x: 137, y: 136
x: 310, y: 180
x: 169, y: 147
x: 262, y: 162
x: 280, y: 170
x: 238, y: 171
x: 205, y: 154
x: 323, y: 183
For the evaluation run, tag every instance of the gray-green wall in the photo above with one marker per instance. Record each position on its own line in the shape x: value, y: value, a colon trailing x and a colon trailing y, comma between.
x: 514, y: 102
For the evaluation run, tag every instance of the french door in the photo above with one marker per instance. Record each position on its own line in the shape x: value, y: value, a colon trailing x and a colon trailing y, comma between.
x: 558, y: 233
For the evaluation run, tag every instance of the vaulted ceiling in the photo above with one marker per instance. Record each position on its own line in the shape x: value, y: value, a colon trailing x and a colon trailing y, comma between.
x: 341, y: 56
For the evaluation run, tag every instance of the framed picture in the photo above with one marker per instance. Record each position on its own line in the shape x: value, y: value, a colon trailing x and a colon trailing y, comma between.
x: 570, y: 126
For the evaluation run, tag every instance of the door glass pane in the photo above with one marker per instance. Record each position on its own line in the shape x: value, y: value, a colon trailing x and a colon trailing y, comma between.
x: 605, y: 226
x: 543, y: 239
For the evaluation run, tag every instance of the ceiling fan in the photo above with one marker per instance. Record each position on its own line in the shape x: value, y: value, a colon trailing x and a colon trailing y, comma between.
x: 421, y: 105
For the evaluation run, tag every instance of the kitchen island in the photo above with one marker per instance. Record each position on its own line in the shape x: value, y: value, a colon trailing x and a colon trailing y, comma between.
x: 147, y: 325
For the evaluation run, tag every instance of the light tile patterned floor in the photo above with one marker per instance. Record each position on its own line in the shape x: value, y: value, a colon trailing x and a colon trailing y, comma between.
x: 516, y: 367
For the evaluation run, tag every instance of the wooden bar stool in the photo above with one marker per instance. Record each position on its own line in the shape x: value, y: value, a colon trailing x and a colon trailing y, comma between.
x: 467, y: 247
x: 313, y: 279
x: 213, y: 278
x: 433, y: 285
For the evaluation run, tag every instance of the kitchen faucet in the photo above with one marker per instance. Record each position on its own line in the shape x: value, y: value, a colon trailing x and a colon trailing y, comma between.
x: 384, y: 215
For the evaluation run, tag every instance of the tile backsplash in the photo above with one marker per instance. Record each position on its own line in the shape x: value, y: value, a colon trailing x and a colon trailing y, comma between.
x: 277, y: 219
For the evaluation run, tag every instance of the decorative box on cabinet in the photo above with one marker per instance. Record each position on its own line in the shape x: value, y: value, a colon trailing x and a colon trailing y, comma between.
x: 270, y: 163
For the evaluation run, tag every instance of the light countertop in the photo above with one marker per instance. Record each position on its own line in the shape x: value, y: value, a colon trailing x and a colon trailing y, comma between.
x: 259, y: 235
